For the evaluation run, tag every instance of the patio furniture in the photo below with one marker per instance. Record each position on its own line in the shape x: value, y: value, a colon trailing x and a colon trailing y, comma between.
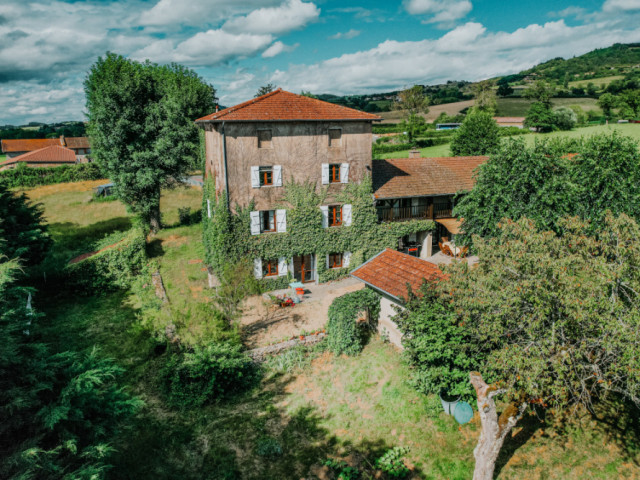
x: 463, y: 252
x: 446, y: 250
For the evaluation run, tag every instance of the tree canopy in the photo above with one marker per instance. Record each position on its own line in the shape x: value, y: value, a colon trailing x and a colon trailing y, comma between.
x: 546, y: 182
x: 478, y: 135
x: 141, y: 124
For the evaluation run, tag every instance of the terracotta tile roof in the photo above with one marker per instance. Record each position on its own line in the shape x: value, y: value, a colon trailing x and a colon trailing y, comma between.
x: 28, y: 144
x: 280, y: 105
x: 414, y: 177
x: 390, y: 271
x: 51, y: 154
x: 77, y: 142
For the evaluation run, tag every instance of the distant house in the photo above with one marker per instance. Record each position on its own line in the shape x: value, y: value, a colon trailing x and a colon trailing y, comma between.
x: 17, y: 147
x: 389, y: 273
x: 510, y: 121
x: 51, y: 156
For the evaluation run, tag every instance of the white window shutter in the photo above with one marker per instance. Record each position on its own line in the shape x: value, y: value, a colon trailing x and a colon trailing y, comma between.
x: 346, y: 215
x: 327, y: 260
x: 255, y: 177
x: 255, y: 223
x: 281, y: 221
x: 277, y: 175
x: 257, y: 267
x: 325, y: 174
x: 346, y: 259
x: 282, y: 267
x: 344, y: 173
x: 325, y: 216
x: 208, y: 208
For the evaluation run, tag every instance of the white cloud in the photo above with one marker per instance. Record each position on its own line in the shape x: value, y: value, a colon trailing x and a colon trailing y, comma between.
x: 277, y: 48
x: 468, y: 52
x: 346, y: 35
x: 32, y: 101
x: 205, y: 48
x: 440, y: 11
x: 291, y: 15
x: 198, y: 12
x: 621, y: 5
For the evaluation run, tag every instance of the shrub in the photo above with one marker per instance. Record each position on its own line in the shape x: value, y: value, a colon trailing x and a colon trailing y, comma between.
x: 268, y: 447
x: 565, y: 118
x: 23, y: 176
x: 392, y: 462
x: 344, y: 335
x: 184, y: 215
x: 195, y: 378
x: 119, y: 258
x: 478, y: 135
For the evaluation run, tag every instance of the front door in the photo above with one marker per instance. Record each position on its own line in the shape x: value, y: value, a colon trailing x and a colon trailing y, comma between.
x: 303, y: 268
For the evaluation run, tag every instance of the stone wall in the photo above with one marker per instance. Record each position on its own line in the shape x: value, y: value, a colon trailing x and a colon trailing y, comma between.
x: 299, y: 147
x: 387, y: 327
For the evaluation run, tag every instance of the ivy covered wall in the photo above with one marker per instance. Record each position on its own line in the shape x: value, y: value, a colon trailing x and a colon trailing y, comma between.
x: 227, y: 237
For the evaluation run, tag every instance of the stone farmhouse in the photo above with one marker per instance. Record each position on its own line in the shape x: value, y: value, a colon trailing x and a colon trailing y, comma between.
x: 257, y: 148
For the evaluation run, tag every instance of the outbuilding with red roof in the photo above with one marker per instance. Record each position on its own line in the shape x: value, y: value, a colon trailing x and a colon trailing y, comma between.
x: 51, y: 156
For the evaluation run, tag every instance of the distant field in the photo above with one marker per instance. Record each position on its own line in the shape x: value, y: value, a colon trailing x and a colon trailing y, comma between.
x: 517, y: 107
x: 596, y: 81
x: 396, y: 116
x: 3, y: 158
x: 630, y: 130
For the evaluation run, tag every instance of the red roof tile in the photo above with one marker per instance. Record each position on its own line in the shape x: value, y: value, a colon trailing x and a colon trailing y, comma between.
x: 414, y: 177
x: 77, y: 142
x: 390, y: 271
x: 280, y: 105
x: 51, y: 154
x: 28, y: 144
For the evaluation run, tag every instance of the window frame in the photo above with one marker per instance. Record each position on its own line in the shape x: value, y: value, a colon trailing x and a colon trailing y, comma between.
x: 333, y: 168
x: 266, y: 267
x: 332, y: 214
x: 262, y: 173
x: 263, y: 143
x: 271, y: 216
x: 332, y: 258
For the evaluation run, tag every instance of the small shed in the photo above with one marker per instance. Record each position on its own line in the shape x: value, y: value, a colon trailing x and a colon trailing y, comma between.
x: 104, y: 190
x: 389, y: 273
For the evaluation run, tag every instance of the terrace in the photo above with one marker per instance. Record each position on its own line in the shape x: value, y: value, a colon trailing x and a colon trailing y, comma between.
x: 423, y: 208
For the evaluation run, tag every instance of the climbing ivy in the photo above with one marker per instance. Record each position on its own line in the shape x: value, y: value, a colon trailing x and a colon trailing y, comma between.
x: 227, y: 237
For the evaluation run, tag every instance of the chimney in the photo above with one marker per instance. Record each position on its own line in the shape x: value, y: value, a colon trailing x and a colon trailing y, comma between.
x: 415, y: 154
x: 217, y: 108
x: 62, y: 141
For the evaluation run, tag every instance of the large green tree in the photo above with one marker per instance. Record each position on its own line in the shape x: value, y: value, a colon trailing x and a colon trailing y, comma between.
x: 141, y: 124
x: 413, y: 101
x: 479, y: 134
x: 546, y: 182
x: 22, y: 230
x: 555, y: 320
x: 540, y: 117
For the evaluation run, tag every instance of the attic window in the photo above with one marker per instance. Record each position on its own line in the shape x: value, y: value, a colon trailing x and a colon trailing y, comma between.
x: 264, y: 139
x: 335, y: 137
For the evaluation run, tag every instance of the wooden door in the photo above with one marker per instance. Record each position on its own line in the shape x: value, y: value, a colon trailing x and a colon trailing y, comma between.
x: 304, y: 268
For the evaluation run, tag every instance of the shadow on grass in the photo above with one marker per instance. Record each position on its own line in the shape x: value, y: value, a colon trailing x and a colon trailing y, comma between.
x: 526, y: 427
x: 619, y: 419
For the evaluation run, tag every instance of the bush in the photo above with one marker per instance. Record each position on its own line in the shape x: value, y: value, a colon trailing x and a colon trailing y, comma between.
x: 392, y: 462
x: 121, y: 256
x: 23, y: 176
x: 268, y: 447
x: 478, y: 135
x: 565, y: 118
x: 195, y: 378
x: 184, y: 215
x: 343, y: 332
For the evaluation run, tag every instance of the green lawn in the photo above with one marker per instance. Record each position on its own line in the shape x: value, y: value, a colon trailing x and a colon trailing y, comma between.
x: 340, y: 407
x: 598, y: 82
x: 631, y: 130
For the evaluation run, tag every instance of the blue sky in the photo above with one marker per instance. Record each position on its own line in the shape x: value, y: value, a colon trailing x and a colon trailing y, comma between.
x: 324, y: 46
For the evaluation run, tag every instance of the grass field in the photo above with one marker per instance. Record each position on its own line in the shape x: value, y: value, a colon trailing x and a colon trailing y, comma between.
x: 630, y: 130
x: 598, y: 82
x: 517, y: 107
x: 312, y: 405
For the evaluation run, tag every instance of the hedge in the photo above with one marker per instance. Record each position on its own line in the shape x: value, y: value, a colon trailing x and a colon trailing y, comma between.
x: 23, y: 176
x: 122, y: 257
x: 343, y: 333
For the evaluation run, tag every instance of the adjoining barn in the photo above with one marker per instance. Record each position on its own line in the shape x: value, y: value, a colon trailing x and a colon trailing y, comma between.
x: 389, y: 273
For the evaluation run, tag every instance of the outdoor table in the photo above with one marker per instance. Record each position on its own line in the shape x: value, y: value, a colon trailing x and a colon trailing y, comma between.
x: 453, y: 247
x: 295, y: 285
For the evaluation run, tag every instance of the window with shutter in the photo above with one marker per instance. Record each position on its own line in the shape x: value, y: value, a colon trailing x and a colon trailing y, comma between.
x: 335, y: 215
x: 335, y: 260
x: 334, y: 173
x: 267, y: 221
x: 266, y: 176
x: 270, y: 267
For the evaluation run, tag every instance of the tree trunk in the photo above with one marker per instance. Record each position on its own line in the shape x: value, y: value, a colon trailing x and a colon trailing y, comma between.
x: 494, y: 429
x: 154, y: 219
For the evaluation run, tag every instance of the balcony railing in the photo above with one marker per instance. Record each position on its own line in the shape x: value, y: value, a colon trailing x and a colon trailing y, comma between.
x: 425, y: 212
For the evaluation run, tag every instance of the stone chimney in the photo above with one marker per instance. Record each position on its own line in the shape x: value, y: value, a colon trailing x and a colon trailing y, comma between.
x: 63, y: 141
x: 415, y: 154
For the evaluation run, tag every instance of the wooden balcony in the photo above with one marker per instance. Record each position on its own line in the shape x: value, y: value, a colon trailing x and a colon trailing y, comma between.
x: 415, y: 212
